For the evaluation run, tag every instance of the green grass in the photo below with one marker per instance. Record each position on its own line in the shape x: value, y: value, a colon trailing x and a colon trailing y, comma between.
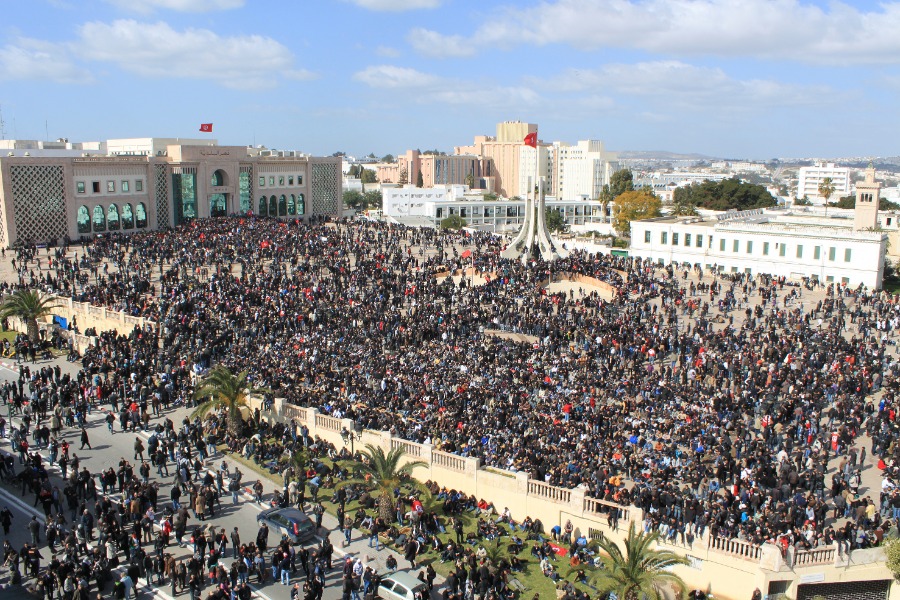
x: 531, y: 577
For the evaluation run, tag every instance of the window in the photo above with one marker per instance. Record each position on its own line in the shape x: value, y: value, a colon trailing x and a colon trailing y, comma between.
x: 735, y: 245
x: 140, y: 215
x: 832, y: 252
x: 749, y: 247
x: 290, y: 180
x: 765, y: 248
x: 271, y: 180
x: 817, y: 252
x: 700, y: 241
x: 847, y: 254
x: 84, y: 220
x: 111, y: 186
x: 889, y: 221
x: 674, y: 239
x: 262, y: 181
x: 299, y: 179
x: 845, y: 280
x: 112, y: 217
x: 95, y: 187
x: 799, y: 251
x: 263, y: 206
x: 646, y: 236
x: 281, y: 180
x: 687, y: 239
x: 721, y: 245
x: 782, y: 249
x: 99, y: 219
x: 829, y: 279
x: 664, y: 237
x: 127, y: 217
x: 139, y: 185
x: 125, y: 186
x: 79, y: 187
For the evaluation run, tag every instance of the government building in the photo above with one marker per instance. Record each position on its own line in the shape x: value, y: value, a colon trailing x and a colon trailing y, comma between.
x: 153, y: 183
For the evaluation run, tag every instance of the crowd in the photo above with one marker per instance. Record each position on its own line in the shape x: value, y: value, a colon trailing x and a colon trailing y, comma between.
x: 714, y: 402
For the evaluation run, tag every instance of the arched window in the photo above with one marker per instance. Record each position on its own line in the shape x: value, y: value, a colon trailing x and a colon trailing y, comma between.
x: 140, y: 215
x: 127, y: 217
x: 282, y: 206
x: 99, y: 219
x: 217, y: 205
x: 301, y: 205
x: 84, y: 220
x: 263, y: 206
x: 273, y: 206
x: 292, y: 205
x: 112, y: 217
x: 218, y: 178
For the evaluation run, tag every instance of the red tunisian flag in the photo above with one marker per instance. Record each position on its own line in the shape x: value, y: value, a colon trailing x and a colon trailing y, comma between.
x: 467, y: 254
x: 530, y: 139
x: 207, y: 127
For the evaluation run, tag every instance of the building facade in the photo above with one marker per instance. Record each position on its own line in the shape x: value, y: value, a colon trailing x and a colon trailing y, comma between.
x: 46, y: 199
x: 809, y: 179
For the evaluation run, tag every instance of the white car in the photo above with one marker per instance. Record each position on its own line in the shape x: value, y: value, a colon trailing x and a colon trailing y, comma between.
x: 402, y: 586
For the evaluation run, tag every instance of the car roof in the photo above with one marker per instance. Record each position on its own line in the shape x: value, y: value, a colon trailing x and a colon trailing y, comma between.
x: 289, y: 513
x: 407, y: 579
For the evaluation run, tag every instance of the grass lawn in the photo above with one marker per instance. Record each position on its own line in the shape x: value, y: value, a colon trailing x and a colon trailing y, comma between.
x: 531, y: 577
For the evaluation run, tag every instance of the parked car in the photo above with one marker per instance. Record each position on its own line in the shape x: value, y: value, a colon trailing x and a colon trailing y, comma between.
x: 292, y: 522
x: 402, y: 585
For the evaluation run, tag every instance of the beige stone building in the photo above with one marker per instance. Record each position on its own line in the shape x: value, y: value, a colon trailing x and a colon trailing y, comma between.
x: 47, y: 198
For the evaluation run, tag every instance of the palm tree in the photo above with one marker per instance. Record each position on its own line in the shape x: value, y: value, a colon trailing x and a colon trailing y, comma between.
x: 826, y: 189
x: 28, y: 305
x: 642, y: 572
x: 221, y: 387
x: 382, y: 473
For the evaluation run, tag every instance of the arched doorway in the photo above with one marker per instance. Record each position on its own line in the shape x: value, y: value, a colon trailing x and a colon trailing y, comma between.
x: 141, y: 215
x: 99, y: 221
x: 219, y: 178
x: 218, y: 205
x: 282, y: 206
x: 112, y: 217
x: 263, y: 207
x: 273, y: 206
x: 84, y: 219
x: 291, y: 205
x: 127, y: 217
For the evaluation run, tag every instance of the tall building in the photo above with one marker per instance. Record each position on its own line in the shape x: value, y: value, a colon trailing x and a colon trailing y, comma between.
x: 581, y: 170
x: 809, y: 179
x: 48, y: 198
x: 868, y: 194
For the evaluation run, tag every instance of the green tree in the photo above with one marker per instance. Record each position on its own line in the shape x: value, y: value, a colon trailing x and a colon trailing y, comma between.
x: 490, y: 197
x: 554, y: 219
x: 620, y: 182
x: 372, y: 199
x: 635, y: 205
x: 728, y: 194
x: 470, y: 180
x: 454, y: 222
x: 403, y: 179
x: 221, y: 387
x: 29, y: 306
x: 354, y: 199
x: 419, y: 181
x: 383, y: 473
x: 367, y: 176
x: 826, y: 189
x: 387, y: 158
x: 640, y: 572
x: 683, y: 209
x: 804, y: 201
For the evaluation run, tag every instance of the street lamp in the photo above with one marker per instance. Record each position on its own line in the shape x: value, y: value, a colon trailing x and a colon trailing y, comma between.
x: 350, y: 437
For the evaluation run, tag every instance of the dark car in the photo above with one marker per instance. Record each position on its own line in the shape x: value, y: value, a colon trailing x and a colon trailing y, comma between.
x: 290, y: 521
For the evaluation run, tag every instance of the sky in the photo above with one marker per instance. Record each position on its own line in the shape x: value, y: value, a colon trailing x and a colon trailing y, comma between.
x: 753, y: 79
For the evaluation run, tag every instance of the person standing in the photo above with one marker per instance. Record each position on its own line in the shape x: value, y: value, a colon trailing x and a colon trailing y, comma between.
x: 84, y: 439
x: 235, y: 543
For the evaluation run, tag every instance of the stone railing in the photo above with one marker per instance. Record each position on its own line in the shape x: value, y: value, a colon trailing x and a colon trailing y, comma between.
x: 411, y: 448
x: 819, y: 556
x: 447, y: 460
x: 329, y: 423
x: 597, y: 506
x: 550, y: 492
x: 736, y: 548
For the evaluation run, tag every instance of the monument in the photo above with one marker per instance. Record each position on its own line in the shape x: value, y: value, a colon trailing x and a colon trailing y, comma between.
x: 534, y: 235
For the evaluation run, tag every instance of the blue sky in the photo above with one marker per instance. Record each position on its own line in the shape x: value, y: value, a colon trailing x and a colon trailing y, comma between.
x: 729, y: 78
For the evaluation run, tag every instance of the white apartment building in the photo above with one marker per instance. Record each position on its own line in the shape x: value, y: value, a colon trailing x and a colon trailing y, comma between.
x: 809, y: 179
x: 535, y: 163
x: 759, y: 241
x: 580, y: 170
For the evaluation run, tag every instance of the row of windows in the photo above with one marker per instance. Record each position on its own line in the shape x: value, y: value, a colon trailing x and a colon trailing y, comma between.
x: 124, y: 186
x: 110, y: 219
x: 736, y: 245
x: 283, y: 206
x: 290, y: 180
x: 721, y: 269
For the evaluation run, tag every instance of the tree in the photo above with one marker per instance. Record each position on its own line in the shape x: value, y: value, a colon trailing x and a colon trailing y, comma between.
x: 367, y: 176
x: 387, y: 158
x: 372, y: 199
x: 683, y: 209
x: 419, y: 181
x: 403, y: 179
x: 354, y: 199
x: 804, y: 201
x: 29, y: 306
x: 635, y: 205
x: 554, y: 219
x: 470, y: 180
x: 826, y: 189
x: 641, y: 572
x: 382, y: 473
x: 620, y: 182
x: 455, y: 222
x: 221, y: 387
x: 728, y: 194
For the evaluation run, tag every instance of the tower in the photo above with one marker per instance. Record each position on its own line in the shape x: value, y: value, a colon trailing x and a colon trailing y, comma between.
x: 534, y: 233
x: 865, y: 215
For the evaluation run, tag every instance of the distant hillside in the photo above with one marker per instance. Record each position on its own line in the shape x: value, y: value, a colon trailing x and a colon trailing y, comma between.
x: 661, y: 155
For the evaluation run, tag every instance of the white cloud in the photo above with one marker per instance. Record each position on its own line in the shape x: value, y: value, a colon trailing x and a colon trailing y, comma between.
x: 431, y: 43
x: 148, y: 6
x: 39, y: 60
x: 158, y: 50
x: 424, y: 87
x: 772, y: 29
x: 387, y: 52
x: 396, y: 5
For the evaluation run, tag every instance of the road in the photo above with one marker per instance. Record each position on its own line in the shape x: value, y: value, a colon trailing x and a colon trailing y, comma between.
x: 108, y: 449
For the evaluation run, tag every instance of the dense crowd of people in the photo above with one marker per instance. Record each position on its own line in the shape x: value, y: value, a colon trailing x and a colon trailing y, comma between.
x: 714, y: 402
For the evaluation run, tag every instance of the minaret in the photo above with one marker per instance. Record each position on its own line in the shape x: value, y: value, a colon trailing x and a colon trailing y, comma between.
x: 865, y: 215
